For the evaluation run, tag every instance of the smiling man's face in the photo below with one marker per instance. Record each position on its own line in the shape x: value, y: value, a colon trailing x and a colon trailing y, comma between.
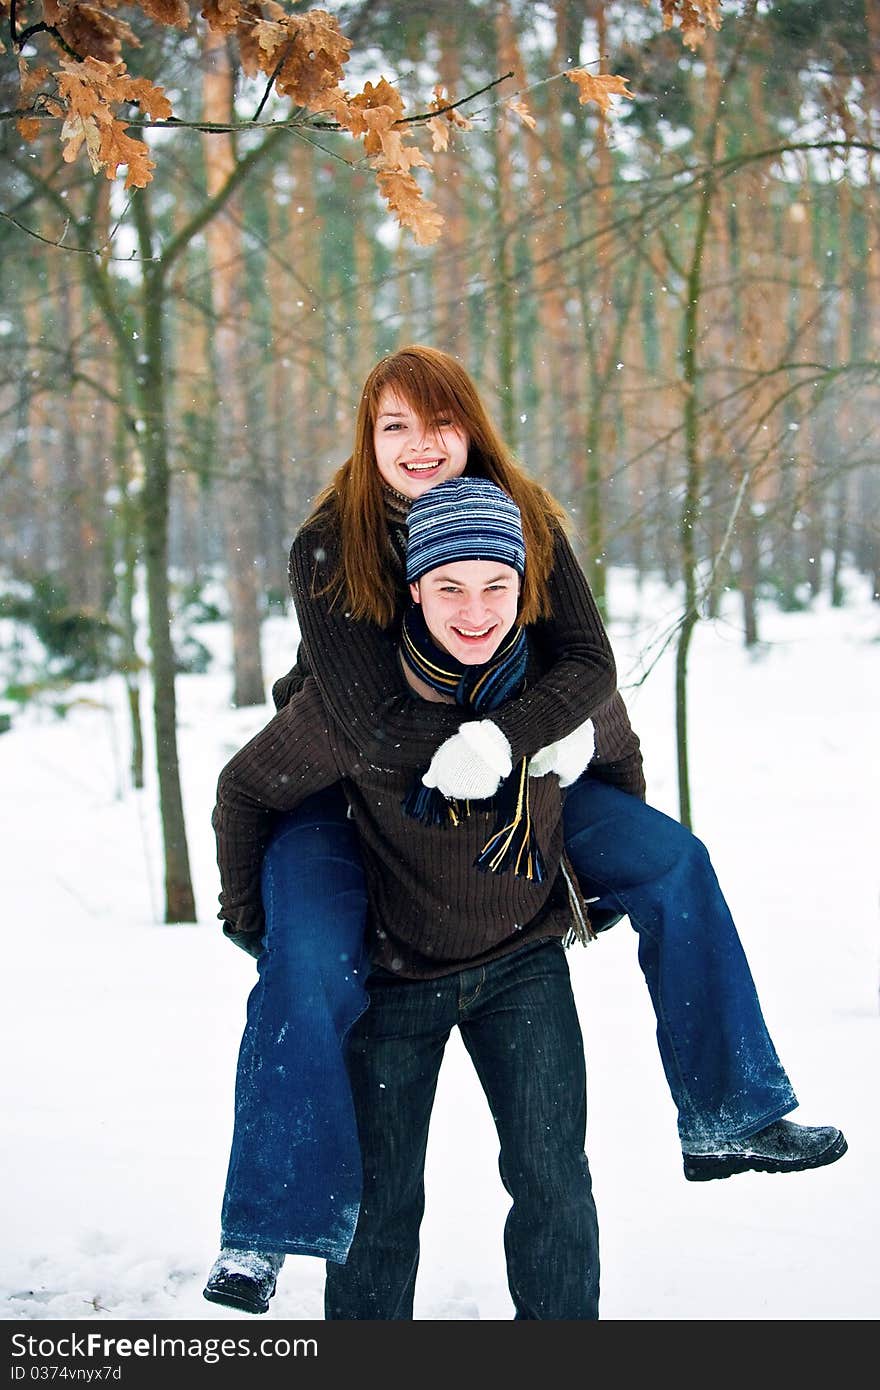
x: 412, y: 454
x: 469, y: 607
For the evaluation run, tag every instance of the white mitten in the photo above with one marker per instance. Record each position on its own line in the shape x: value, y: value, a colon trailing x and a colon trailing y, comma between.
x: 573, y: 753
x: 543, y: 761
x: 472, y: 764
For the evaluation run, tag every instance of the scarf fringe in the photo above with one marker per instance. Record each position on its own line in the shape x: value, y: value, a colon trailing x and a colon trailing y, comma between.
x: 429, y: 806
x: 582, y: 928
x: 513, y: 844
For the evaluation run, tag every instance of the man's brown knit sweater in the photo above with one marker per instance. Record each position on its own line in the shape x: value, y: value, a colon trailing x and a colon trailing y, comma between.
x: 432, y: 912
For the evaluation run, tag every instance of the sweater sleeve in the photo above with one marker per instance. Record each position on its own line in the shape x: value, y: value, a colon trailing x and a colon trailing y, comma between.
x: 286, y: 686
x: 617, y: 756
x: 292, y: 757
x: 580, y: 674
x: 356, y: 668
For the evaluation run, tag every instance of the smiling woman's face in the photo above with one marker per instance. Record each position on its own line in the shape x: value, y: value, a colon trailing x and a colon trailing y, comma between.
x: 412, y: 455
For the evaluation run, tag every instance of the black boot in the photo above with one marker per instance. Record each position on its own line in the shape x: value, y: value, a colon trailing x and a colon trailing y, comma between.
x: 243, y: 1279
x: 782, y: 1147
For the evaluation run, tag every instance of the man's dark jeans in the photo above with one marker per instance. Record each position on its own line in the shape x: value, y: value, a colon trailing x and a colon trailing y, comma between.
x: 519, y: 1024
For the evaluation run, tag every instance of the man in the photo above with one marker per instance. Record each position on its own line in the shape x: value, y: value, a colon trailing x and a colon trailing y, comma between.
x: 470, y: 903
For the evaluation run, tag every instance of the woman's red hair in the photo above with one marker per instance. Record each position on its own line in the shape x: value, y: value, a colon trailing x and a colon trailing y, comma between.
x: 435, y: 386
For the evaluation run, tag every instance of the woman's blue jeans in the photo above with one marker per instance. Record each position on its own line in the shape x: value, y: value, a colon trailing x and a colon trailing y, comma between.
x: 294, y: 1178
x: 294, y: 1181
x: 518, y: 1021
x: 721, y: 1066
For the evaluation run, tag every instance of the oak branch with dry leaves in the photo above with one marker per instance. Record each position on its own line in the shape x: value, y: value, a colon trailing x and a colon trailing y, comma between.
x: 73, y: 73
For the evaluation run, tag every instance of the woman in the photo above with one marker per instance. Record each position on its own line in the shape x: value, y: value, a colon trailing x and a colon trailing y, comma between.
x: 421, y: 421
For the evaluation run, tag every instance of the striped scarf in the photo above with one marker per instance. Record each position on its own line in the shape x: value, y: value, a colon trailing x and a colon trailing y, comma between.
x: 479, y: 688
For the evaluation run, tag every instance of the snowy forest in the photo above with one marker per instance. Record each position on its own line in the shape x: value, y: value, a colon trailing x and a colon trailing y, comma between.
x: 649, y: 229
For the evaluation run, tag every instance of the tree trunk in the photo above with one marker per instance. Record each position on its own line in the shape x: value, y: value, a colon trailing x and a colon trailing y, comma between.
x: 505, y: 333
x: 179, y: 900
x: 238, y: 496
x: 41, y: 548
x: 543, y: 241
x: 843, y: 414
x: 748, y: 574
x: 809, y: 274
x: 693, y: 481
x: 599, y: 329
x: 450, y: 258
x: 129, y: 530
x: 868, y: 537
x: 306, y: 469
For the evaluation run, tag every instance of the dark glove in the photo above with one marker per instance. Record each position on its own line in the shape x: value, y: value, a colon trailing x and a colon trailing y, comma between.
x: 250, y: 941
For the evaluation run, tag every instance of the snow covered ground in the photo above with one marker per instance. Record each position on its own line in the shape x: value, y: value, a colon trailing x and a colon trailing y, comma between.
x: 122, y: 1033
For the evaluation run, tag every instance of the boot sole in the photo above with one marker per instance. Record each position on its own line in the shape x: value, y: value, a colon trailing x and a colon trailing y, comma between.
x: 703, y: 1167
x: 230, y: 1298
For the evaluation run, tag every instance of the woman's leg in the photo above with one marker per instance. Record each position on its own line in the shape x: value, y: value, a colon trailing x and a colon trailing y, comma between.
x: 720, y: 1062
x: 294, y: 1178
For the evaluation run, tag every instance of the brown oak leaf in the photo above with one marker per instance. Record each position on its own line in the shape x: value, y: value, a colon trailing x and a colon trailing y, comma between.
x: 53, y: 11
x: 175, y: 13
x: 118, y: 148
x: 519, y: 108
x: 152, y: 100
x: 315, y: 62
x: 600, y: 88
x: 439, y: 133
x: 221, y: 15
x: 29, y: 127
x: 31, y: 79
x: 695, y: 18
x: 383, y: 97
x: 259, y: 44
x: 76, y: 131
x: 443, y: 105
x: 442, y: 124
x: 408, y: 203
x: 88, y: 29
x: 396, y: 155
x: 78, y: 94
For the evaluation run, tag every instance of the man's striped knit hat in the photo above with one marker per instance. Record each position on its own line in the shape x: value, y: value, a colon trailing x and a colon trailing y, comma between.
x: 463, y: 519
